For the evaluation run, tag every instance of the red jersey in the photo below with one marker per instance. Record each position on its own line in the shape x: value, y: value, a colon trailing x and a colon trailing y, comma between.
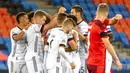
x: 96, y: 48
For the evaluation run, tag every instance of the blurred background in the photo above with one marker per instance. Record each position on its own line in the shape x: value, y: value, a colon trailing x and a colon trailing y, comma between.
x: 121, y: 31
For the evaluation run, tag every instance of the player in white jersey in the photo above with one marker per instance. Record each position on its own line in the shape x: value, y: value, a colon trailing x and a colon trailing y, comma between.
x: 72, y: 50
x: 83, y: 29
x: 60, y: 18
x: 16, y: 59
x: 35, y: 44
x: 57, y: 43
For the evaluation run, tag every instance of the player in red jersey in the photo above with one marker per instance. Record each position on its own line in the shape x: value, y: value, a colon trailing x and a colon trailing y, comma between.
x: 98, y: 41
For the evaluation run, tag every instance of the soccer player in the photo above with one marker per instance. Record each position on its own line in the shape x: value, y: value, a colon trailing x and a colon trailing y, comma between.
x: 60, y: 18
x: 83, y: 29
x: 98, y: 41
x: 16, y: 60
x: 57, y: 43
x: 73, y: 50
x: 35, y: 44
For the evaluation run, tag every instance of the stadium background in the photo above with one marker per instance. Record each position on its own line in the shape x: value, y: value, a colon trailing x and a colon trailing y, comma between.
x: 121, y: 31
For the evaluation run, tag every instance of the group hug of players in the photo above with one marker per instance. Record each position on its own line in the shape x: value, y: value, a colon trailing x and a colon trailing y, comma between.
x: 62, y: 43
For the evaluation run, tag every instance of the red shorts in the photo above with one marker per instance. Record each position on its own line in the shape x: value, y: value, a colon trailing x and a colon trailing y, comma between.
x: 95, y: 69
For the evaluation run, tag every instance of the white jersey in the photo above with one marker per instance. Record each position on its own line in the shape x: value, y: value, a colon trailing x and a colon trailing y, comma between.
x: 53, y: 29
x: 57, y: 37
x: 16, y: 59
x: 34, y: 56
x: 83, y: 28
x: 18, y: 47
x: 35, y: 41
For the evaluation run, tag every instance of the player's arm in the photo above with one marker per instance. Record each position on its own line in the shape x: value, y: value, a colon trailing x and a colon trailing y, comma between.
x: 19, y: 36
x: 50, y: 25
x: 115, y: 19
x: 65, y: 56
x: 73, y: 45
x: 72, y: 42
x: 49, y: 16
x: 111, y: 37
x: 110, y: 49
x: 81, y: 36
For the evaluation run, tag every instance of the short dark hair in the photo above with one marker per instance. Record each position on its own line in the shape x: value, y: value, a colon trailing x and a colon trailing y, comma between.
x: 20, y: 14
x: 73, y: 17
x: 78, y: 9
x: 30, y: 15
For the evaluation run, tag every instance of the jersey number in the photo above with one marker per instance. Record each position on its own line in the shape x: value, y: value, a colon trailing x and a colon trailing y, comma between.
x: 51, y: 42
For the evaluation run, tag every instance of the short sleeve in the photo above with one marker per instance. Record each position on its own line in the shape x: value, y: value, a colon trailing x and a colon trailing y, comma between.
x: 13, y: 32
x: 37, y: 27
x: 63, y: 41
x: 101, y: 33
x: 83, y: 28
x: 70, y: 36
x: 106, y: 22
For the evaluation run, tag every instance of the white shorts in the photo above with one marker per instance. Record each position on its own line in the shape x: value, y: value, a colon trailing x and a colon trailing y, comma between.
x: 20, y: 67
x: 34, y: 65
x: 56, y: 69
x: 77, y: 62
x: 108, y: 62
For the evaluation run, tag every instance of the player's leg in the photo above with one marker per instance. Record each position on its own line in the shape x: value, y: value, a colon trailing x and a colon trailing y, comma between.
x: 82, y: 69
x: 11, y: 66
x: 64, y: 66
x: 21, y: 67
x: 55, y: 69
x: 31, y: 66
x: 77, y: 62
x: 39, y: 64
x: 34, y: 65
x: 108, y: 62
x: 52, y: 70
x: 95, y: 69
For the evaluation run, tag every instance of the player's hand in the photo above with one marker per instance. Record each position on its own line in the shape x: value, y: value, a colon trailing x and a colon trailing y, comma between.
x: 119, y: 65
x: 27, y: 26
x: 62, y: 10
x: 72, y: 65
x: 76, y: 28
x: 118, y: 16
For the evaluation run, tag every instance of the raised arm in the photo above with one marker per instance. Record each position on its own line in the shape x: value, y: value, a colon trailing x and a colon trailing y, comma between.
x: 115, y: 19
